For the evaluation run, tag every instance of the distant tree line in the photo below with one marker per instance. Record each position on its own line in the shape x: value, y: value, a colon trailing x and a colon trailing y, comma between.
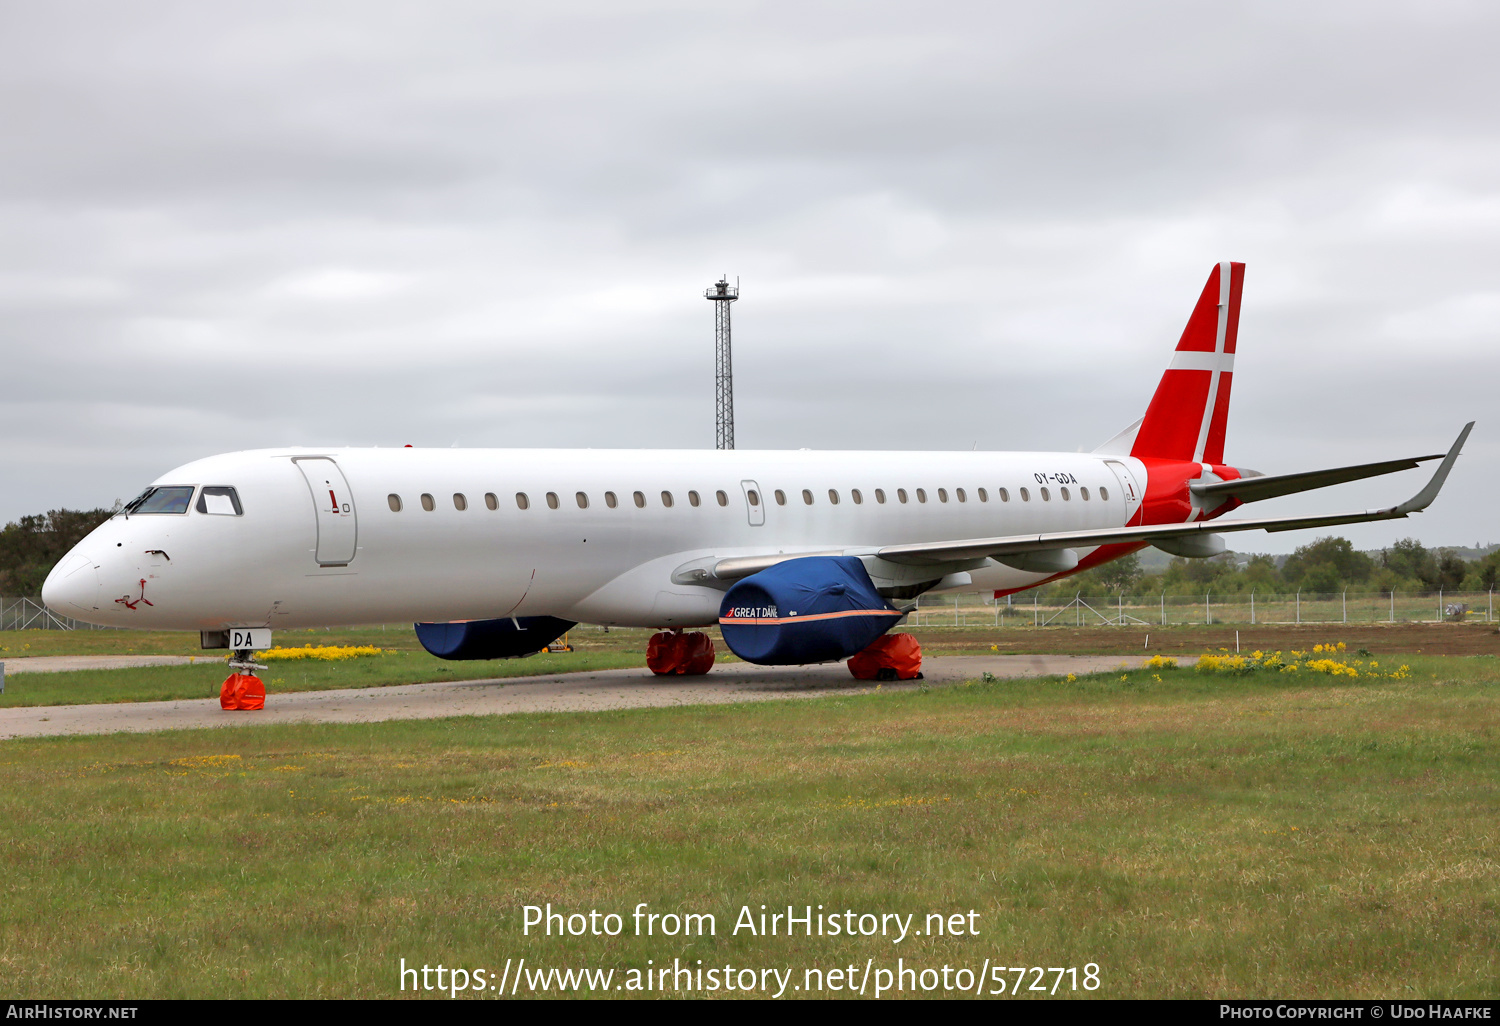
x: 31, y: 547
x: 1325, y: 565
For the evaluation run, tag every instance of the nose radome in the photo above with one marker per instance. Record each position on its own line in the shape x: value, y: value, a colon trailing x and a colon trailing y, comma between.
x: 73, y: 585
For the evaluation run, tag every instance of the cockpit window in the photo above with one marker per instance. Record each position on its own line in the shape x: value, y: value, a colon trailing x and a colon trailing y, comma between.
x: 162, y: 499
x: 220, y: 500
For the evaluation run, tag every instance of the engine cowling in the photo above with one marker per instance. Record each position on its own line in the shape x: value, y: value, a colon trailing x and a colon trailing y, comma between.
x: 491, y: 639
x: 811, y: 610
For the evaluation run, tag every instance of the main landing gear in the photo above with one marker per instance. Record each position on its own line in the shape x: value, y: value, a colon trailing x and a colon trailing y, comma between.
x: 243, y: 690
x: 689, y: 653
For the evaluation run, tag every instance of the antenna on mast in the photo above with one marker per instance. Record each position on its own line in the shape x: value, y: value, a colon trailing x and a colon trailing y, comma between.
x: 721, y: 294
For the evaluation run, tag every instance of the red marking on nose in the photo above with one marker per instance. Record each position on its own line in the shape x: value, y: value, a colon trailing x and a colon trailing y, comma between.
x: 128, y: 603
x: 333, y: 499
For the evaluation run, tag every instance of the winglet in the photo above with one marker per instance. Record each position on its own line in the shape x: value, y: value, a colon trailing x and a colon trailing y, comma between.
x: 1424, y: 498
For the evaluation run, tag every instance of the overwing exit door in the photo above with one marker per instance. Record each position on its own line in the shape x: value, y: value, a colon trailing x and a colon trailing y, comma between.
x: 337, y: 526
x: 755, y: 503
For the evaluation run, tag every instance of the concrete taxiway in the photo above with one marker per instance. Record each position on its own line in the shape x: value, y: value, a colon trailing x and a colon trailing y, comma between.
x: 589, y: 691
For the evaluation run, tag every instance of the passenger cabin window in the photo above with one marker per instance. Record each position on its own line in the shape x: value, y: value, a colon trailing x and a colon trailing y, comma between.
x: 394, y: 501
x: 640, y: 500
x: 491, y: 500
x: 753, y: 497
x: 921, y: 494
x: 806, y: 497
x: 942, y: 495
x: 427, y: 503
x: 880, y: 495
x: 780, y: 497
x: 1064, y: 493
x: 1046, y: 495
x: 984, y: 496
x: 833, y: 496
x: 610, y: 500
x: 666, y: 499
x: 723, y: 499
x: 459, y: 502
x: 552, y: 502
x: 692, y: 498
x: 1025, y: 495
x: 582, y: 499
x: 1083, y: 492
x: 221, y: 500
x: 522, y: 502
x: 901, y: 494
x: 1103, y: 494
x: 1004, y: 495
x: 960, y: 495
x: 164, y: 499
x: 858, y: 498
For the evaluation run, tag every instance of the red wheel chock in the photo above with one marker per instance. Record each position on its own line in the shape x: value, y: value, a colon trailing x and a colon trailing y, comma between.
x: 890, y: 657
x: 689, y: 654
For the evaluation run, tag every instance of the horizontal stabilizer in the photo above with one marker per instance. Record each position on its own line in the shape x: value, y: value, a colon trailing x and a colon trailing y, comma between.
x: 1121, y: 443
x: 1254, y: 489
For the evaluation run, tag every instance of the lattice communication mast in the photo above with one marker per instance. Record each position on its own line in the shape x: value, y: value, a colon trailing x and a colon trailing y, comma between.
x: 721, y: 294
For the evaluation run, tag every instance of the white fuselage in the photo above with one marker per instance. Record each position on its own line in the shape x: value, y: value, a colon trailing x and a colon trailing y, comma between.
x: 595, y: 564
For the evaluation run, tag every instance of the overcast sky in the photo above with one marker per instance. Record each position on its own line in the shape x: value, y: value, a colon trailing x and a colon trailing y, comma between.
x: 229, y: 226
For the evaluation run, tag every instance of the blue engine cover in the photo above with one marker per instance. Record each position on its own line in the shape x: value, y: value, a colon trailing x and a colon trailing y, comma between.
x: 810, y: 610
x: 491, y: 639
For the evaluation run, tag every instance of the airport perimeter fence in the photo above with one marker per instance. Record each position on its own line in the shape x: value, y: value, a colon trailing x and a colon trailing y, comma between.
x: 26, y: 614
x: 1161, y: 610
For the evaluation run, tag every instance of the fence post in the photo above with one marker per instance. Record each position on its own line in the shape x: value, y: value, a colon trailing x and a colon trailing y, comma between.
x: 1346, y: 605
x: 1299, y: 605
x: 1120, y: 595
x: 1164, y: 607
x: 1252, y: 607
x: 1034, y: 614
x: 1208, y: 611
x: 1440, y: 603
x: 1393, y: 605
x: 1489, y: 616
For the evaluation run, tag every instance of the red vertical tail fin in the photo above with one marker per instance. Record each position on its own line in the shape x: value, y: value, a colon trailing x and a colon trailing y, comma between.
x: 1189, y: 412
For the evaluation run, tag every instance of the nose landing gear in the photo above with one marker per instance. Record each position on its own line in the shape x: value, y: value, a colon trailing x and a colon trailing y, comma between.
x: 243, y: 690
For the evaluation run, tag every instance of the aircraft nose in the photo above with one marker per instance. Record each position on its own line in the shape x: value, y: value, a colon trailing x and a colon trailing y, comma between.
x: 72, y: 588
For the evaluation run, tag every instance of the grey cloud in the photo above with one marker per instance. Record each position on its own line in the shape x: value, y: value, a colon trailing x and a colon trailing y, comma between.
x: 225, y: 226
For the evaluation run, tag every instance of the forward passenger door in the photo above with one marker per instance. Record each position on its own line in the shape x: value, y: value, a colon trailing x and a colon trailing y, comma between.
x: 338, y: 532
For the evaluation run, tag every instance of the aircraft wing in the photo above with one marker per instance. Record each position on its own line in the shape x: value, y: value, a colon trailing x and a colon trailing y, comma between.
x: 974, y: 549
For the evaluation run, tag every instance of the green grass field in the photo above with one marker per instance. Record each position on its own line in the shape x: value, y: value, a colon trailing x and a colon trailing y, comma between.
x: 1284, y: 835
x: 405, y: 662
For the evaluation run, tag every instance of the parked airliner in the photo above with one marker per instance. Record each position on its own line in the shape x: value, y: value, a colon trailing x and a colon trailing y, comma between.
x: 492, y: 540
